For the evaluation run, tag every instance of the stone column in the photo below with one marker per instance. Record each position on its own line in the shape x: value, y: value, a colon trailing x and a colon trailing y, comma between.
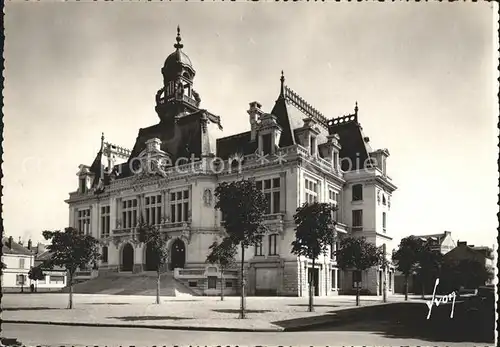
x: 118, y: 212
x: 167, y: 205
x: 163, y: 203
x: 283, y: 191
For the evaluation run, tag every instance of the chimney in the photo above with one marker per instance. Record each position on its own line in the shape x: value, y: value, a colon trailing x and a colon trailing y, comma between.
x: 20, y: 242
x: 254, y: 112
x: 462, y: 243
x: 9, y: 243
x: 29, y: 244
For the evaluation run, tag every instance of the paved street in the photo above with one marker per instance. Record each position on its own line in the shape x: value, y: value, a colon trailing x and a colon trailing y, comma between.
x: 399, y: 323
x: 59, y: 335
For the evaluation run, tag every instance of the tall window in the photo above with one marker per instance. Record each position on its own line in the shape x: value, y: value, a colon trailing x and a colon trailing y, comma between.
x: 258, y: 247
x: 311, y: 191
x: 179, y: 206
x: 153, y: 209
x: 312, y: 150
x: 357, y: 192
x: 21, y: 263
x: 271, y: 190
x: 266, y: 144
x: 357, y: 220
x: 83, y: 185
x: 384, y: 221
x: 105, y: 221
x: 333, y: 197
x: 104, y: 254
x: 335, y: 161
x: 273, y: 250
x: 84, y: 221
x: 129, y: 213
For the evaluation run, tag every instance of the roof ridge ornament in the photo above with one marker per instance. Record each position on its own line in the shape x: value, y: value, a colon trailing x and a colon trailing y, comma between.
x: 356, y: 108
x: 282, y: 79
x: 178, y: 45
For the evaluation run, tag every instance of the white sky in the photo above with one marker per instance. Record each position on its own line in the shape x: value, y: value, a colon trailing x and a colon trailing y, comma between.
x: 423, y: 75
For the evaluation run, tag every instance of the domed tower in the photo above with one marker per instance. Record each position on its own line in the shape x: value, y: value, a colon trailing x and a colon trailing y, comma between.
x: 177, y: 97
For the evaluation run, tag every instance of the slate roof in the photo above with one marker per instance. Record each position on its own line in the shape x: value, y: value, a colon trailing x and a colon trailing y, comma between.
x: 239, y: 143
x: 290, y: 118
x: 353, y: 145
x: 16, y: 248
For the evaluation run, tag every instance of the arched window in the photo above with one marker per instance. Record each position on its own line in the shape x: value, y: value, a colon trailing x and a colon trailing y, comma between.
x: 104, y: 254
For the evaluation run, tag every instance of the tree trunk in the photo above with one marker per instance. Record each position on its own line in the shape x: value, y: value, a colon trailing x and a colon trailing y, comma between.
x: 222, y: 285
x: 70, y: 306
x: 406, y: 287
x: 357, y: 294
x: 158, y: 286
x: 242, y: 301
x: 384, y: 285
x: 311, y: 289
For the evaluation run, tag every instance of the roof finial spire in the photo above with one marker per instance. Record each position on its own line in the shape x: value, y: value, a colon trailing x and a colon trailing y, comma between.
x: 356, y: 108
x: 178, y: 45
x: 102, y: 141
x: 282, y: 79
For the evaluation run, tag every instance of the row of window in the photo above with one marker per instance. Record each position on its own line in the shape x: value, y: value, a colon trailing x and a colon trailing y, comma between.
x: 53, y: 279
x: 272, y: 246
x: 211, y: 282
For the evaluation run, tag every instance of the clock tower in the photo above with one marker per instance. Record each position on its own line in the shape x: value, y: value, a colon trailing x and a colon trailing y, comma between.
x: 177, y: 98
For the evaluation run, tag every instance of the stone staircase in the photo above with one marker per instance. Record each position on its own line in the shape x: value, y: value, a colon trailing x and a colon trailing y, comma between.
x: 133, y: 284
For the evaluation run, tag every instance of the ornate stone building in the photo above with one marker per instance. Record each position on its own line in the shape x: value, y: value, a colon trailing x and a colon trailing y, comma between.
x: 294, y: 153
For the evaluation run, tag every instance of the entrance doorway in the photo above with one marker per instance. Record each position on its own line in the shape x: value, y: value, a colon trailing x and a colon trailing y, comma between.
x: 178, y: 252
x: 315, y: 274
x: 151, y: 261
x: 127, y: 257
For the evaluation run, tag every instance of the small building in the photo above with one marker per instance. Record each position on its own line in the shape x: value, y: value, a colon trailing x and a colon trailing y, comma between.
x: 442, y: 242
x: 481, y: 254
x: 55, y: 278
x: 439, y: 242
x: 18, y: 261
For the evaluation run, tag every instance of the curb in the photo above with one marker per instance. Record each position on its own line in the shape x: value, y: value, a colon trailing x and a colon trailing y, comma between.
x: 145, y: 326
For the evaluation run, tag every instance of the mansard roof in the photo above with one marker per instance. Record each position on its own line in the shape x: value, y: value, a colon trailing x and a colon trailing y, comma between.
x: 290, y: 111
x: 239, y: 143
x: 353, y: 144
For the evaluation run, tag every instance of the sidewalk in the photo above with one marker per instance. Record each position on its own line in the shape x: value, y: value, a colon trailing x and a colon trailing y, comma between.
x: 191, y: 313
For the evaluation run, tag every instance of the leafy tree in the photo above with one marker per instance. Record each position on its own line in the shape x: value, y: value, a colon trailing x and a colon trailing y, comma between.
x: 157, y: 241
x: 357, y: 254
x: 70, y: 249
x: 243, y: 207
x: 406, y: 258
x: 465, y: 273
x: 222, y: 254
x: 36, y: 274
x: 428, y: 266
x: 314, y: 234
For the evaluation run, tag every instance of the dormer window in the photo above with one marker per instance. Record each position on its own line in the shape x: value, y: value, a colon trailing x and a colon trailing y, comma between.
x: 83, y: 185
x: 312, y: 149
x: 266, y: 144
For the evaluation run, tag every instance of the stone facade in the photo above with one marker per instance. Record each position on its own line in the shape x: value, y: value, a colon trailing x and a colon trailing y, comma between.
x: 295, y: 155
